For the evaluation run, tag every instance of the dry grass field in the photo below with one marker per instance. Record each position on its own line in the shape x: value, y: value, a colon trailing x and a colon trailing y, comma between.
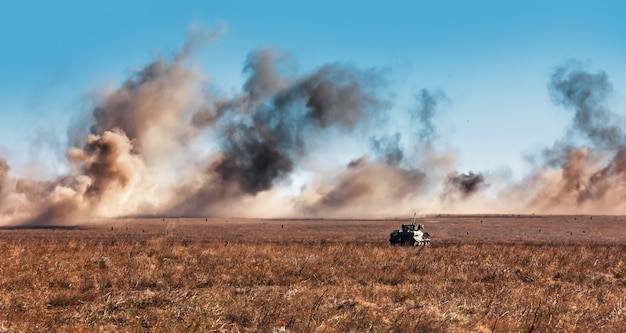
x: 481, y: 274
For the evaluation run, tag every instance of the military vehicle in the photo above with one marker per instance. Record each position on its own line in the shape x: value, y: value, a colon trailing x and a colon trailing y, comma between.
x: 411, y: 235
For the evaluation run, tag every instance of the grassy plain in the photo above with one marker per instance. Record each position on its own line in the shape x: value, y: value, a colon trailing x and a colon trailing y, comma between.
x: 481, y: 274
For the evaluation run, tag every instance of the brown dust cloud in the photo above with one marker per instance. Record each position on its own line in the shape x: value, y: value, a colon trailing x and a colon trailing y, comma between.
x: 167, y: 143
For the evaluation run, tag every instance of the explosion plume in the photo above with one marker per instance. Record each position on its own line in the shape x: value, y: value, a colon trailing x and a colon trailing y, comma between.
x: 165, y: 143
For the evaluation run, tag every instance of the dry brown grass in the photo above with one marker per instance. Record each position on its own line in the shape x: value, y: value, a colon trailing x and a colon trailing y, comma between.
x: 300, y: 276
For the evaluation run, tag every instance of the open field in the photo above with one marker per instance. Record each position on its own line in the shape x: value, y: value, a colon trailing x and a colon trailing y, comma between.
x: 482, y: 273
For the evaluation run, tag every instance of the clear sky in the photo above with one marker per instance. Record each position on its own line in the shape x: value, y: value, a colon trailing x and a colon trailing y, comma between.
x: 492, y: 59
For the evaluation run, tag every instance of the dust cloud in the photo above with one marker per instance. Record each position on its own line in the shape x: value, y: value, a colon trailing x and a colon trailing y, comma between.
x: 164, y: 143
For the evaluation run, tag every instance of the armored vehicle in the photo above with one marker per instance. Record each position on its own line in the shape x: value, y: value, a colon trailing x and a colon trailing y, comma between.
x: 411, y: 235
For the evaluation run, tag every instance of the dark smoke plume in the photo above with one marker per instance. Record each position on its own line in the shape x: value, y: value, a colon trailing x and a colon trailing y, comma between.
x: 424, y: 112
x: 465, y: 183
x: 259, y: 153
x: 253, y: 163
x: 267, y: 128
x: 587, y: 94
x: 389, y: 148
x: 593, y: 175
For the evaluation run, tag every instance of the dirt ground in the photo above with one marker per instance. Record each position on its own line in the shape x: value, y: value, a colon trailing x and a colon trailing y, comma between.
x: 482, y: 273
x: 607, y: 229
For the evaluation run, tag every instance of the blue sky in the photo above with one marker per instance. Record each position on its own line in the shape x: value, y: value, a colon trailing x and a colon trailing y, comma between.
x: 492, y: 59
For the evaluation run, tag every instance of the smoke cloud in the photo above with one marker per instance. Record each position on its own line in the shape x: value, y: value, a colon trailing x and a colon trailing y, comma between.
x: 166, y: 143
x: 271, y: 125
x: 392, y: 179
x: 586, y: 93
x: 425, y: 111
x: 588, y: 177
x: 389, y: 148
x: 4, y: 180
x: 4, y: 173
x: 368, y: 186
x: 257, y: 154
x: 465, y: 183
